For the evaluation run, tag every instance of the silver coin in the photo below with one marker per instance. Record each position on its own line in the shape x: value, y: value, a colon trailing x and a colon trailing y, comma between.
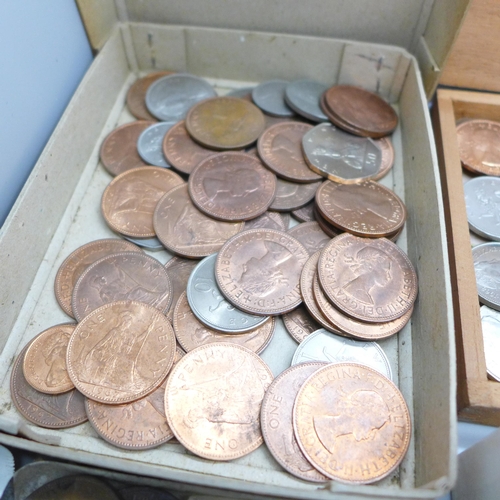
x: 325, y: 346
x: 270, y: 98
x: 269, y: 220
x: 487, y: 267
x: 482, y: 201
x: 306, y: 213
x: 170, y: 97
x: 310, y: 235
x: 149, y: 144
x: 292, y: 195
x: 153, y: 244
x: 241, y: 92
x: 303, y: 96
x: 340, y: 156
x: 209, y: 305
x: 490, y: 324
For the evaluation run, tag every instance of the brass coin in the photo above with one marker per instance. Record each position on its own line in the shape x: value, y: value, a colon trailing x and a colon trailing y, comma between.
x: 213, y: 400
x: 121, y: 352
x: 44, y: 365
x: 291, y: 195
x: 186, y: 231
x: 305, y: 213
x: 225, y: 123
x: 351, y: 423
x: 299, y: 323
x: 268, y: 220
x: 129, y: 201
x: 310, y: 235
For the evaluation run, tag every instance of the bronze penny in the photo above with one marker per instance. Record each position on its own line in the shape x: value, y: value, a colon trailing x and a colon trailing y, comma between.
x: 305, y: 213
x: 258, y: 271
x: 364, y: 209
x: 286, y: 219
x: 310, y: 235
x: 351, y: 423
x: 328, y: 228
x: 186, y: 231
x: 213, y: 400
x: 136, y: 95
x: 122, y: 276
x: 225, y: 123
x: 291, y: 195
x: 191, y: 333
x: 81, y: 258
x: 121, y: 352
x: 369, y: 279
x: 276, y: 421
x: 280, y: 148
x: 387, y: 161
x: 119, y: 149
x: 44, y: 364
x: 181, y: 151
x: 299, y: 323
x: 129, y: 201
x: 268, y: 220
x: 46, y: 410
x: 232, y: 187
x: 178, y: 270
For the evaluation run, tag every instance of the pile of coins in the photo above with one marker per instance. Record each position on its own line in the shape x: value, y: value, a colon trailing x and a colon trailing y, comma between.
x: 163, y: 351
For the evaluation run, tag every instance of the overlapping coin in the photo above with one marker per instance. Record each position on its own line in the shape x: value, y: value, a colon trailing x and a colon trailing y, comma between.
x: 483, y: 208
x: 136, y: 95
x: 299, y: 323
x: 292, y: 195
x: 310, y: 235
x: 486, y: 266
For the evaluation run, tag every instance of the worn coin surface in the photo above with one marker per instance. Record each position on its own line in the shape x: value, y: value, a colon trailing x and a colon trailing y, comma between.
x: 129, y: 201
x: 490, y: 324
x: 310, y: 235
x: 149, y: 144
x: 213, y: 400
x: 487, y: 268
x: 304, y: 96
x: 482, y: 202
x: 270, y: 97
x: 299, y: 323
x: 276, y: 416
x: 122, y: 276
x: 269, y: 220
x: 305, y: 213
x: 292, y: 195
x: 136, y: 95
x: 352, y: 423
x: 325, y: 225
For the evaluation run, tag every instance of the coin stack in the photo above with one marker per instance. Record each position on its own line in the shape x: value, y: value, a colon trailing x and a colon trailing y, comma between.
x: 162, y: 351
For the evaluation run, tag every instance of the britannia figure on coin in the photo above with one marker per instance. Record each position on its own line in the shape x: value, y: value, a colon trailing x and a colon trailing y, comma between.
x: 193, y: 228
x: 54, y: 353
x: 224, y: 183
x: 138, y: 196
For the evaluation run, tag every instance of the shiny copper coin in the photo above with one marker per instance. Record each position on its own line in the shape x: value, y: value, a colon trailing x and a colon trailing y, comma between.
x: 291, y: 195
x: 191, y: 333
x: 305, y: 213
x: 121, y: 352
x: 232, y: 187
x: 119, y: 149
x: 268, y: 220
x: 44, y: 364
x: 129, y: 201
x: 258, y: 271
x: 186, y: 231
x: 178, y: 270
x: 81, y: 258
x: 337, y: 120
x: 276, y: 421
x: 225, y: 123
x: 352, y: 423
x: 328, y: 228
x: 299, y: 323
x: 280, y: 148
x: 213, y: 400
x: 122, y: 276
x: 369, y: 279
x: 310, y: 235
x: 136, y: 95
x: 387, y: 161
x: 46, y: 410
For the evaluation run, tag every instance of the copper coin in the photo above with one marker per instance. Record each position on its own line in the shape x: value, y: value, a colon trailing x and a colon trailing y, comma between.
x: 225, y: 123
x: 46, y: 410
x: 81, y: 258
x: 387, y: 162
x: 364, y: 209
x: 299, y: 323
x: 310, y: 235
x: 121, y: 352
x: 129, y: 201
x: 119, y: 149
x: 213, y: 400
x: 186, y: 231
x: 291, y: 195
x: 351, y: 423
x: 268, y: 220
x: 276, y: 417
x: 192, y: 333
x: 136, y: 95
x: 280, y: 148
x: 325, y: 225
x: 232, y: 187
x: 122, y: 276
x: 44, y: 364
x: 337, y: 120
x: 305, y: 213
x: 286, y: 219
x: 258, y: 271
x: 369, y: 279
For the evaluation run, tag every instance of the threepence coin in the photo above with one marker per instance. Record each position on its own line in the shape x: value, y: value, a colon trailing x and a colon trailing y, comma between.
x: 270, y: 97
x: 299, y: 323
x: 150, y: 142
x: 304, y: 96
x: 292, y: 195
x: 483, y: 206
x: 136, y: 95
x: 487, y: 268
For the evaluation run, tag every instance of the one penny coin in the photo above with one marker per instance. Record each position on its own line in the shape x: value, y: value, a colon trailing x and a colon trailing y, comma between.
x: 268, y: 220
x: 292, y: 195
x: 310, y: 235
x: 387, y: 162
x: 299, y: 323
x: 306, y: 213
x: 325, y: 225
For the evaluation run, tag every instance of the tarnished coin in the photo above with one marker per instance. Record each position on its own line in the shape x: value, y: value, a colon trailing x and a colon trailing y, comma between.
x: 291, y: 195
x: 305, y: 213
x: 81, y: 258
x: 129, y: 201
x: 280, y: 148
x: 213, y: 400
x: 299, y: 323
x: 369, y: 279
x: 304, y: 96
x: 490, y: 324
x: 479, y: 146
x: 310, y: 235
x: 186, y: 231
x: 258, y: 271
x: 119, y: 149
x: 482, y: 202
x: 178, y: 270
x: 286, y: 219
x: 210, y: 306
x: 352, y: 423
x: 232, y: 186
x: 44, y: 364
x: 170, y: 97
x: 365, y: 209
x: 268, y: 220
x: 191, y: 333
x: 387, y: 162
x: 270, y: 97
x: 487, y: 268
x: 121, y: 352
x: 151, y: 244
x: 150, y: 142
x: 46, y: 410
x: 225, y: 123
x: 276, y: 417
